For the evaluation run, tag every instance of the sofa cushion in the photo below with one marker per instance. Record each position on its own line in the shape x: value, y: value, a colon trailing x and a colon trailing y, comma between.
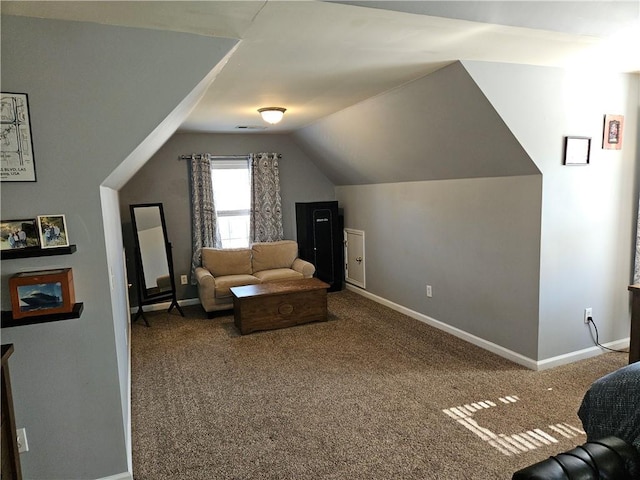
x: 269, y: 255
x: 277, y: 274
x: 228, y: 261
x: 225, y: 282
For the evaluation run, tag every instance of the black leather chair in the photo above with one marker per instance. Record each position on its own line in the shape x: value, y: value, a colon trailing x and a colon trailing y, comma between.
x: 607, y: 459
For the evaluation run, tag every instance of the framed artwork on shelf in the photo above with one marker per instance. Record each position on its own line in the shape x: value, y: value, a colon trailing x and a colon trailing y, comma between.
x: 42, y: 292
x: 52, y: 230
x: 15, y: 234
x: 17, y: 163
x: 577, y: 150
x: 612, y: 132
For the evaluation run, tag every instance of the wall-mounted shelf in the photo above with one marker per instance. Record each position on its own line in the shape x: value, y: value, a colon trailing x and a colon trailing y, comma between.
x: 8, y: 320
x: 36, y: 252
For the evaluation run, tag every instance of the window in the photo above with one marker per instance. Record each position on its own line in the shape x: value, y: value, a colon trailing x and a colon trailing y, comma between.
x: 232, y: 196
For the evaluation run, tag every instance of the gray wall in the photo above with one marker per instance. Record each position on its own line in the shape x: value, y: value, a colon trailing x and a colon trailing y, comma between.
x: 474, y: 237
x: 95, y: 94
x: 166, y: 179
x: 475, y: 241
x: 589, y: 213
x: 575, y: 226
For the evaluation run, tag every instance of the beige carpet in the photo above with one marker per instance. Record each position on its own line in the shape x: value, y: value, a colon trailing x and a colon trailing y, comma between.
x: 370, y: 394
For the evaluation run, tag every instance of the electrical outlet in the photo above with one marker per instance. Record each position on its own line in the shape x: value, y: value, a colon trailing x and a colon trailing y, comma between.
x: 588, y: 313
x: 429, y: 291
x: 23, y: 445
x: 183, y: 279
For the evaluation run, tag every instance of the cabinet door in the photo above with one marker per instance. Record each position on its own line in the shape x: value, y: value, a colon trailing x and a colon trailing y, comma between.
x: 323, y: 240
x: 354, y: 268
x: 11, y: 469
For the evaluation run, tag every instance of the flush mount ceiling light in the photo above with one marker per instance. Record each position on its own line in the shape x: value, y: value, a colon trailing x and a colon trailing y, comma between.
x: 272, y: 115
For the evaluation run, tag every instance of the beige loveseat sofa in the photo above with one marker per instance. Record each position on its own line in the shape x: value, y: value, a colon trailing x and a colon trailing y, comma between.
x: 262, y: 262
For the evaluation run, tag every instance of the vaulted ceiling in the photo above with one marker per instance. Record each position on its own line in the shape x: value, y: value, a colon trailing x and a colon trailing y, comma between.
x: 316, y: 58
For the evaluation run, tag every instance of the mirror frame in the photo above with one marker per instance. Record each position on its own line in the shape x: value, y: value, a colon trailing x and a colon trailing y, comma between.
x: 138, y: 252
x: 144, y: 297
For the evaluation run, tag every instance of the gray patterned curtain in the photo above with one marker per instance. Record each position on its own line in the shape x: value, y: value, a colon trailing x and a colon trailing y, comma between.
x: 204, y: 229
x: 266, y: 205
x: 636, y: 275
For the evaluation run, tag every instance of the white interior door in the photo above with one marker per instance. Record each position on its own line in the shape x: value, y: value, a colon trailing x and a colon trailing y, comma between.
x: 354, y: 265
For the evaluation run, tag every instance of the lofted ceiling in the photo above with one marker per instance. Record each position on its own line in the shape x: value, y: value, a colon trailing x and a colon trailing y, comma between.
x: 316, y: 58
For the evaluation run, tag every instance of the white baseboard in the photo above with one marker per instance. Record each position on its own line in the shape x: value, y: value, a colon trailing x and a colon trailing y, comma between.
x: 581, y: 354
x: 165, y: 305
x: 492, y: 347
x: 119, y: 476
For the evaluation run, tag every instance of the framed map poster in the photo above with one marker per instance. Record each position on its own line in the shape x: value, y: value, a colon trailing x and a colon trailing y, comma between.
x: 16, y: 147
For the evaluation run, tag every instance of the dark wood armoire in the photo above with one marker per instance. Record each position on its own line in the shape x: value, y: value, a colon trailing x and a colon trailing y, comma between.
x: 320, y: 240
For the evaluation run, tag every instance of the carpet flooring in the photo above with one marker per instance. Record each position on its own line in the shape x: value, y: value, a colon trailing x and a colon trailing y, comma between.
x: 370, y: 394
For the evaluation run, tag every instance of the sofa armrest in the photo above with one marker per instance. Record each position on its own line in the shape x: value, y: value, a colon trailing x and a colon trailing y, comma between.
x: 204, y: 277
x: 307, y: 269
x: 206, y: 288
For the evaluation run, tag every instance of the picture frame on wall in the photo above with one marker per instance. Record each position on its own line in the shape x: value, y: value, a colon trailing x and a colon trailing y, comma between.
x: 42, y: 292
x: 17, y: 163
x: 52, y: 230
x: 16, y: 234
x: 577, y: 150
x: 612, y: 132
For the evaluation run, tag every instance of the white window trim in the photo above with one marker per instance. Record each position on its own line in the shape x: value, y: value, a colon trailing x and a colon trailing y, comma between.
x: 231, y: 164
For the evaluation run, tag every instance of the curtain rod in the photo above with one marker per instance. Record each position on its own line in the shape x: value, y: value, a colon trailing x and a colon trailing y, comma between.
x: 217, y: 157
x: 213, y: 157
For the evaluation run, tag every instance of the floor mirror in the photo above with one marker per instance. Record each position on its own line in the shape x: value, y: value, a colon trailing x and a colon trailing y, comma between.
x: 154, y: 261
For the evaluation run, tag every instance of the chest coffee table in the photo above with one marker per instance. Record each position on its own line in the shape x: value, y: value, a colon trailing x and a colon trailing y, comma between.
x: 279, y: 304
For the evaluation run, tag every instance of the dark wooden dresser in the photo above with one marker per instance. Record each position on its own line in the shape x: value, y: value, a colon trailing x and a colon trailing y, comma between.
x: 634, y: 338
x: 10, y: 456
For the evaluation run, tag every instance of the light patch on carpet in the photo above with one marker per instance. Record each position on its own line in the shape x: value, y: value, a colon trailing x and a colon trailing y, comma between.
x: 508, y: 444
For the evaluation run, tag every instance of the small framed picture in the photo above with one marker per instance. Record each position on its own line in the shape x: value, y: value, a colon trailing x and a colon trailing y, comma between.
x: 19, y: 234
x: 612, y: 132
x: 53, y: 231
x: 577, y: 150
x: 42, y: 292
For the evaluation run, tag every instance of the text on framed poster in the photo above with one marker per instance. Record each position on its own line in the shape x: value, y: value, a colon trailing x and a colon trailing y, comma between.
x: 17, y: 163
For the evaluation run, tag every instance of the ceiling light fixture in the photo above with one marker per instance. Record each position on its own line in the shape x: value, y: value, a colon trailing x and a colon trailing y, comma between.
x: 272, y: 115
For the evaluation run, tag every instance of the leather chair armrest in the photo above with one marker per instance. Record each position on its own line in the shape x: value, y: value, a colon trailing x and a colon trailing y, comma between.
x: 608, y: 458
x: 305, y: 268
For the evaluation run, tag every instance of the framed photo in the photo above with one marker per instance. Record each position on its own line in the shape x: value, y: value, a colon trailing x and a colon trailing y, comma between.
x: 577, y: 150
x: 612, y: 132
x: 16, y: 155
x: 52, y: 230
x: 19, y: 234
x: 42, y: 292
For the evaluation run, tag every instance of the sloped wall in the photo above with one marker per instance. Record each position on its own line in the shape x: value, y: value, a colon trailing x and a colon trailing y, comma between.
x: 589, y: 212
x: 447, y: 197
x: 434, y: 128
x: 95, y: 94
x: 473, y: 120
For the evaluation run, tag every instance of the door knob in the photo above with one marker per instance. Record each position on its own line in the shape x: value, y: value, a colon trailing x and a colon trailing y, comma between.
x: 359, y: 259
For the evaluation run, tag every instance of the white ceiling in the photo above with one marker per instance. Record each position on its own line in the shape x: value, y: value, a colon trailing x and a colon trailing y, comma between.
x: 316, y: 58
